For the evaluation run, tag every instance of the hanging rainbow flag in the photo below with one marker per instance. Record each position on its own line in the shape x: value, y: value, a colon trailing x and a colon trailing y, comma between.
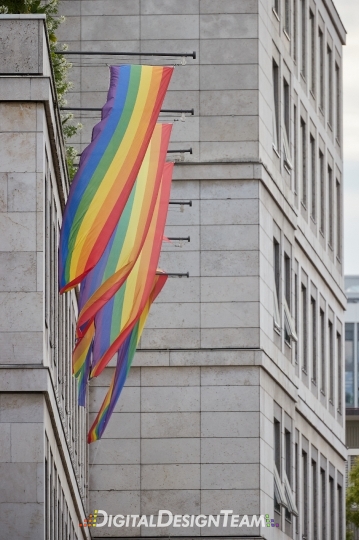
x: 109, y: 167
x: 118, y: 316
x: 124, y: 361
x: 126, y: 242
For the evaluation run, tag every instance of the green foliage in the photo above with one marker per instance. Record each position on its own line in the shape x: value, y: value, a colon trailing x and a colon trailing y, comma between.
x: 352, y: 500
x: 60, y: 65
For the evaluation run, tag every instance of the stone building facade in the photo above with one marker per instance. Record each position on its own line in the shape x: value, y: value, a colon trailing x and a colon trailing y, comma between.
x: 235, y: 400
x: 43, y: 451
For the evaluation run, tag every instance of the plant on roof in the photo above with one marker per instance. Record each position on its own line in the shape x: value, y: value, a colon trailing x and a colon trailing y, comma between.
x: 60, y: 65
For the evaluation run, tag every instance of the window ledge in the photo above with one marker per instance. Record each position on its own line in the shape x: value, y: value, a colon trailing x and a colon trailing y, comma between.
x: 330, y: 246
x: 276, y: 329
x: 303, y: 77
x: 337, y: 140
x: 275, y: 14
x: 286, y: 34
x: 275, y: 150
x: 339, y: 259
x: 322, y: 392
x: 330, y: 126
x: 304, y: 205
x: 321, y: 110
x: 313, y: 220
x: 312, y: 94
x: 305, y: 371
x: 321, y: 232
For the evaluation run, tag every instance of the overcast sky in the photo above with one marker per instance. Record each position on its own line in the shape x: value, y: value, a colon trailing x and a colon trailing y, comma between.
x: 349, y: 13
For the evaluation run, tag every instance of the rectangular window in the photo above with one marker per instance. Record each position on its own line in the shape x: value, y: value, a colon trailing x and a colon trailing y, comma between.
x: 277, y: 449
x: 314, y: 501
x: 276, y: 119
x: 338, y: 197
x: 295, y: 30
x: 287, y: 293
x: 303, y: 158
x: 304, y: 329
x: 313, y: 179
x: 331, y: 362
x: 303, y: 38
x: 312, y: 51
x: 340, y: 367
x: 321, y: 71
x: 322, y: 192
x: 338, y: 102
x: 297, y: 490
x: 295, y: 127
x: 305, y: 493
x: 288, y: 469
x: 277, y: 471
x: 287, y: 17
x: 330, y: 208
x: 331, y: 508
x: 313, y: 306
x: 296, y: 309
x: 276, y: 6
x: 340, y: 511
x: 323, y: 505
x: 330, y: 85
x: 322, y: 350
x: 276, y: 268
x: 287, y: 158
x: 349, y: 364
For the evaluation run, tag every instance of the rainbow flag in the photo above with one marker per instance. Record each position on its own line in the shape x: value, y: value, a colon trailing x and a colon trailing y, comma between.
x: 124, y: 361
x: 109, y: 167
x: 118, y: 316
x: 126, y: 242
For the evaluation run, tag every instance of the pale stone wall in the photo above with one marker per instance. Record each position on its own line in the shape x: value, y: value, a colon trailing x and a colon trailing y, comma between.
x: 43, y: 461
x: 193, y: 430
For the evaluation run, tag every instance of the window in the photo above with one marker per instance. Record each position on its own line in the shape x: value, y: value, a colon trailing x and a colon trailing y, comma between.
x: 296, y: 307
x: 323, y: 505
x: 331, y: 508
x: 287, y: 17
x: 312, y: 52
x: 295, y: 30
x: 313, y: 306
x: 313, y: 178
x: 303, y: 157
x: 330, y: 207
x: 340, y: 511
x: 276, y: 7
x: 276, y: 268
x: 322, y: 192
x: 338, y: 198
x: 331, y: 362
x: 349, y: 364
x: 339, y: 365
x: 289, y: 322
x: 321, y: 71
x: 338, y: 102
x: 295, y: 127
x: 286, y: 131
x: 304, y: 329
x: 276, y: 120
x: 303, y: 38
x: 305, y: 493
x: 330, y: 86
x: 291, y: 503
x: 322, y: 350
x: 297, y: 490
x: 314, y: 501
x: 277, y: 449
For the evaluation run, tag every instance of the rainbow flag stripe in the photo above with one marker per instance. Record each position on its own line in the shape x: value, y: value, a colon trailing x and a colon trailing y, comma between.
x: 126, y: 242
x: 109, y: 167
x: 117, y: 318
x: 124, y: 361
